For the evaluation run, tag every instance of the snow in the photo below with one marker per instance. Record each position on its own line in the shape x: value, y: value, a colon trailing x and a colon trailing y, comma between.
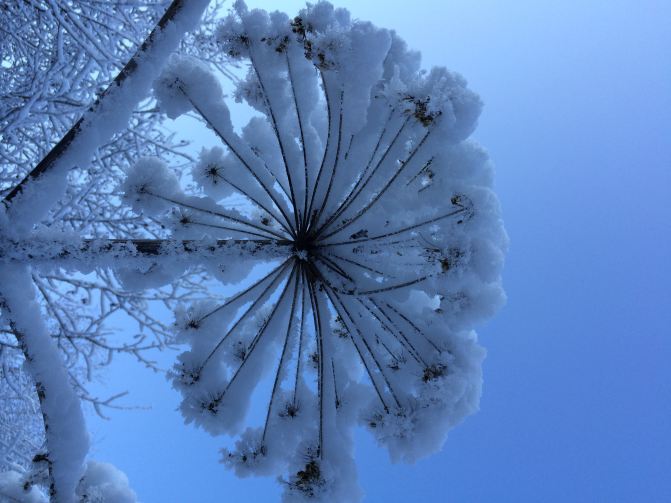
x: 101, y: 483
x: 147, y: 177
x: 181, y: 72
x: 67, y: 439
x: 12, y: 489
x: 212, y: 172
x: 104, y: 483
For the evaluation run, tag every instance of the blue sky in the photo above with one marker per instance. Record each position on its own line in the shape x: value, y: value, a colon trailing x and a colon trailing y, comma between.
x: 577, y: 392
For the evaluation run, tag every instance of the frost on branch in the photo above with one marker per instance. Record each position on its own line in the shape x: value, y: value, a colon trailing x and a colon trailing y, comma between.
x: 66, y: 437
x: 361, y: 170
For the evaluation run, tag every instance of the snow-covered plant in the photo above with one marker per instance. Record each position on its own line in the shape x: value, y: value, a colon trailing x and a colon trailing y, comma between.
x: 377, y: 246
x: 368, y: 248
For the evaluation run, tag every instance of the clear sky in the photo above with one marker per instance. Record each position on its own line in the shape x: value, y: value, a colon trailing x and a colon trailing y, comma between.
x: 577, y: 392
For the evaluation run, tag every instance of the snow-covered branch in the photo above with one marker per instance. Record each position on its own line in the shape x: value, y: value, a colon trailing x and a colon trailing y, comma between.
x: 65, y: 430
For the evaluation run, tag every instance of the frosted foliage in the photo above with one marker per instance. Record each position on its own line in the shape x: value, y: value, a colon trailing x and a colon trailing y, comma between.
x: 104, y: 483
x: 193, y: 73
x: 377, y: 247
x: 147, y: 177
x: 211, y: 172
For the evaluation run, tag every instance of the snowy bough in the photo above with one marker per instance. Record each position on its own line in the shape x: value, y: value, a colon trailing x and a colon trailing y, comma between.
x: 370, y: 245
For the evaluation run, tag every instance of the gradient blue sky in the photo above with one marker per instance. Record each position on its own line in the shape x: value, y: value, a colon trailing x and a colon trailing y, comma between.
x: 577, y: 393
